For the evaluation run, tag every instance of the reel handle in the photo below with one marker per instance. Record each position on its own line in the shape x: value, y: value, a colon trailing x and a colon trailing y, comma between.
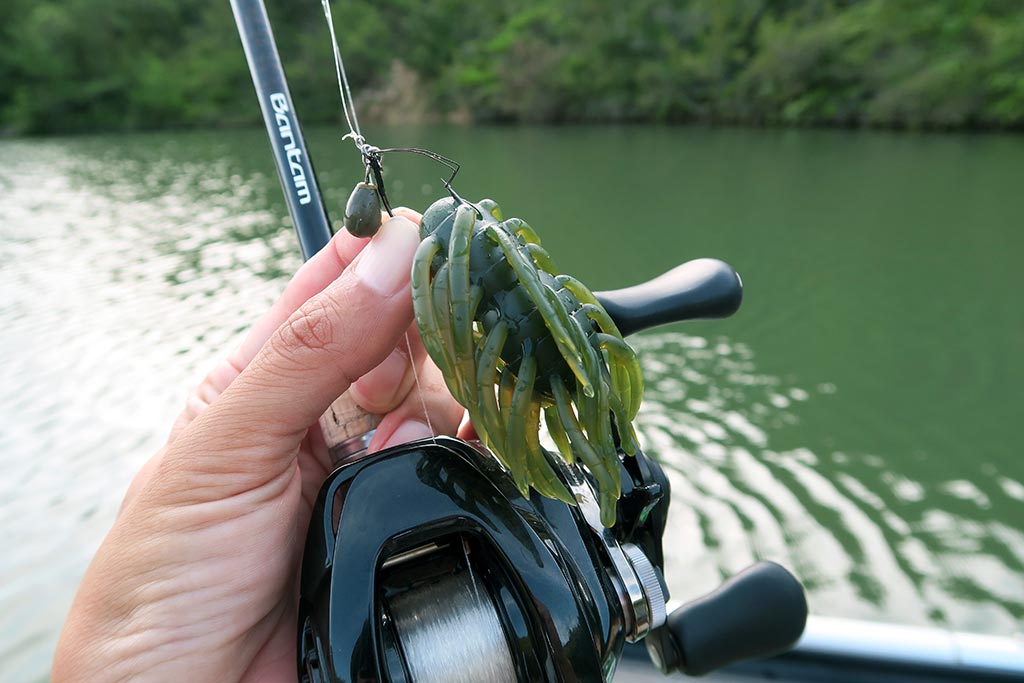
x: 759, y: 612
x: 700, y: 289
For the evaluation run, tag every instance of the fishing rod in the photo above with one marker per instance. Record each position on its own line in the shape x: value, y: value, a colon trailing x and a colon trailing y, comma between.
x: 291, y: 157
x: 347, y: 428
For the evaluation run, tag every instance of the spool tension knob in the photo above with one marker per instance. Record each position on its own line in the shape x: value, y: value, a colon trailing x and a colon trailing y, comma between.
x: 650, y: 582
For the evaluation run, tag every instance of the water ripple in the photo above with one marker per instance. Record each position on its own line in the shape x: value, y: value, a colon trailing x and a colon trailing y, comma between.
x: 868, y: 542
x: 128, y: 268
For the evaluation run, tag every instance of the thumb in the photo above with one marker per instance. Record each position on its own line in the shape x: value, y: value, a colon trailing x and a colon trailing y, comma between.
x: 251, y: 433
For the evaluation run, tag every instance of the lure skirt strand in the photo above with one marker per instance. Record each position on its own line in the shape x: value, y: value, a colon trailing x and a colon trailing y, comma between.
x: 516, y: 340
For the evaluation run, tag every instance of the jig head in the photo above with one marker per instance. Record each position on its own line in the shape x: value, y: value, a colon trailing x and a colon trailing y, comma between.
x: 363, y: 209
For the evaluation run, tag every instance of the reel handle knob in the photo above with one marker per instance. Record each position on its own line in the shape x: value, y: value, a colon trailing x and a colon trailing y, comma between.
x: 759, y: 612
x: 700, y: 289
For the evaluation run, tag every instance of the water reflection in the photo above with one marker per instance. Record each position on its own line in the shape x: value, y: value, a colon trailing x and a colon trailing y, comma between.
x: 124, y: 276
x: 867, y: 541
x: 129, y: 265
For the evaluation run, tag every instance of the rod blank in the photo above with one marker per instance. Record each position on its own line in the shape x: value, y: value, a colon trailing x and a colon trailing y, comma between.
x: 294, y: 168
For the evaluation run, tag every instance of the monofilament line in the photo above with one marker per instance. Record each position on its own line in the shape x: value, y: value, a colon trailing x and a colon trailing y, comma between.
x: 419, y: 389
x: 348, y: 106
x: 469, y: 566
x: 347, y: 103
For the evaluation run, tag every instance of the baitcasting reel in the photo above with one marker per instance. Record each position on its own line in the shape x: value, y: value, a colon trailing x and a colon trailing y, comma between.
x: 424, y: 563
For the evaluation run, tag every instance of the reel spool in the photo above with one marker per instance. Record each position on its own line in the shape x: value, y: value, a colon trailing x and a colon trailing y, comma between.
x: 450, y: 632
x: 424, y: 563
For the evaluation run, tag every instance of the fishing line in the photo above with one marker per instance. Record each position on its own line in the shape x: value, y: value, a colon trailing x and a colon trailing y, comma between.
x: 469, y: 566
x: 427, y: 639
x: 419, y: 389
x: 344, y: 90
x: 371, y: 159
x: 370, y: 153
x: 450, y: 633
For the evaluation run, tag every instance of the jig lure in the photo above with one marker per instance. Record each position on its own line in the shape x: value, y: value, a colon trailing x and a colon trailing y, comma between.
x: 514, y: 339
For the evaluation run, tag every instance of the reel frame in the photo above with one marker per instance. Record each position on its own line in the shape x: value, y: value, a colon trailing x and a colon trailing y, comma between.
x: 433, y: 505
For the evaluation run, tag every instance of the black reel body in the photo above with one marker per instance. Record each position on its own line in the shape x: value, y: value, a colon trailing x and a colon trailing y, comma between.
x: 441, y: 515
x: 424, y: 563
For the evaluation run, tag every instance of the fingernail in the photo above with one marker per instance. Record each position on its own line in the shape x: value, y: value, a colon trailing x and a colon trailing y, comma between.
x: 410, y: 430
x: 385, y: 263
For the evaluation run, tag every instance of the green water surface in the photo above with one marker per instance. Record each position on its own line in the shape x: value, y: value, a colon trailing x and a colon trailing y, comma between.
x: 857, y: 420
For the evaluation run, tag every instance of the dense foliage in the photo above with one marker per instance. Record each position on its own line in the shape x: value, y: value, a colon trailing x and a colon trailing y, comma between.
x: 102, y: 64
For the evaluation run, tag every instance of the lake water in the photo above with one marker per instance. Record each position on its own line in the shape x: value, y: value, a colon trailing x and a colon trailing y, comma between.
x: 859, y: 420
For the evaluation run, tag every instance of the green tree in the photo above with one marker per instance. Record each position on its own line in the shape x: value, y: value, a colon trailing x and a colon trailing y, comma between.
x: 108, y: 64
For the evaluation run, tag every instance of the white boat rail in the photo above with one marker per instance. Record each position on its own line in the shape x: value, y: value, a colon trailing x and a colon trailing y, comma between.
x: 834, y: 650
x: 912, y: 646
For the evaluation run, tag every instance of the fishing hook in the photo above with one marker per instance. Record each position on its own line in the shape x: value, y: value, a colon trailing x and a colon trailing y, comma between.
x: 372, y: 157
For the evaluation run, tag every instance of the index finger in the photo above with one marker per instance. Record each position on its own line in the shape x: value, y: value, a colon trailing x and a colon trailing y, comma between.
x: 322, y: 269
x: 312, y: 278
x: 251, y: 434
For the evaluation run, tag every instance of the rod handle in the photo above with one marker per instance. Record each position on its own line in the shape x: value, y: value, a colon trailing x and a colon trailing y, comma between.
x: 700, y: 289
x: 759, y: 612
x: 345, y: 426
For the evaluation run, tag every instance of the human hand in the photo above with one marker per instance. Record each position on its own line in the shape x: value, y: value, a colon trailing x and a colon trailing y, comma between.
x: 198, y: 578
